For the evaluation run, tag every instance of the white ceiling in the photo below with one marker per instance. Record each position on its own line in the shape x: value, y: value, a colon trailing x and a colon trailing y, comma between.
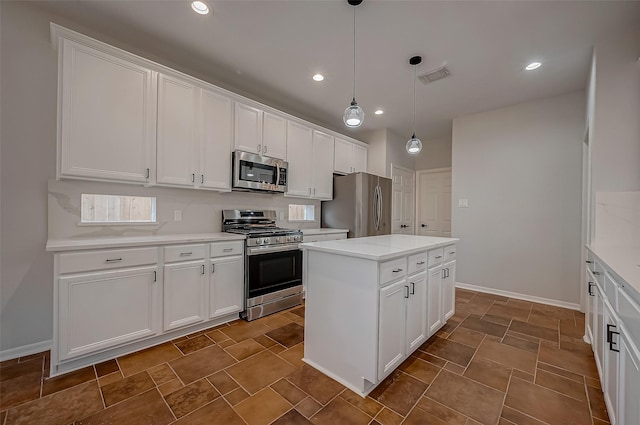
x: 268, y: 50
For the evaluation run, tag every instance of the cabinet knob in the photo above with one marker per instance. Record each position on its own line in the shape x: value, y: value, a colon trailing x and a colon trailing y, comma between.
x: 424, y: 225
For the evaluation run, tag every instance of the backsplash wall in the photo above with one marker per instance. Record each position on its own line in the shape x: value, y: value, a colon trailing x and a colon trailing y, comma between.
x: 617, y: 219
x: 201, y: 209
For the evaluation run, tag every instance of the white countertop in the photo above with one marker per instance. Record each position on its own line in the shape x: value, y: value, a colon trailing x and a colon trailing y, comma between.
x: 57, y: 245
x: 323, y: 231
x: 623, y: 262
x: 379, y: 248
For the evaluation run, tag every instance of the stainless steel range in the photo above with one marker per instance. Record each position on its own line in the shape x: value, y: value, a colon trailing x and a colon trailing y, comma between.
x: 273, y: 262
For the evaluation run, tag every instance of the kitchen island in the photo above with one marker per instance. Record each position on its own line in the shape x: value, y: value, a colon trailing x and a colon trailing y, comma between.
x: 372, y: 301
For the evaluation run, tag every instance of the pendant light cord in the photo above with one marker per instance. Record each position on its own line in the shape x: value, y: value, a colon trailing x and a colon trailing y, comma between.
x: 354, y: 53
x: 415, y: 70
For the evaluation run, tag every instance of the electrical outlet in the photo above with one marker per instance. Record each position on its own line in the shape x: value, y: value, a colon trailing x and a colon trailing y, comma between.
x: 281, y: 215
x: 463, y: 203
x: 177, y: 215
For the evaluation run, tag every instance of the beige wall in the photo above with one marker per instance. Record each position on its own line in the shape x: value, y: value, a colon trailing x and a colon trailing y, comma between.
x: 520, y: 168
x: 386, y: 148
x: 436, y: 153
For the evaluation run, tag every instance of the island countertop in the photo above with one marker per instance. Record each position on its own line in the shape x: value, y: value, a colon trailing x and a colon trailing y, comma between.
x: 379, y: 248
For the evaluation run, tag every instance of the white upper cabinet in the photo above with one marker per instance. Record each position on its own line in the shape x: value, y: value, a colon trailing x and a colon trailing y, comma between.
x: 248, y: 128
x: 274, y: 136
x: 216, y: 130
x: 349, y: 157
x: 322, y: 181
x: 106, y: 117
x: 299, y: 157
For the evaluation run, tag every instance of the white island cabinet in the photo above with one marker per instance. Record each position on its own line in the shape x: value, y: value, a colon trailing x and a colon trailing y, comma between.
x: 370, y: 303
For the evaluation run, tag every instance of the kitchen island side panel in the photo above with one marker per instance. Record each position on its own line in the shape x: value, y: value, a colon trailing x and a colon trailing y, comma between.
x: 341, y: 323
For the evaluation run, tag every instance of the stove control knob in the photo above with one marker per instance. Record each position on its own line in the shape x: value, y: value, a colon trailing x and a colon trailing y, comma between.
x: 297, y: 237
x: 290, y: 238
x: 279, y: 239
x: 259, y: 241
x: 267, y: 241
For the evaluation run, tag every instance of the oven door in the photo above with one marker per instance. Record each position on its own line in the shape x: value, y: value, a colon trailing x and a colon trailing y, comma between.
x: 257, y: 172
x: 270, y: 270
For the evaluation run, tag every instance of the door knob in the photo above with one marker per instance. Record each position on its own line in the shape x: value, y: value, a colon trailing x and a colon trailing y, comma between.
x: 423, y: 225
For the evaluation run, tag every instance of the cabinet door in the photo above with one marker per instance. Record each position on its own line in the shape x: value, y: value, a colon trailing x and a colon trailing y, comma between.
x: 392, y: 320
x: 322, y: 182
x: 299, y: 157
x: 590, y: 306
x: 216, y: 126
x: 107, y: 119
x: 226, y: 286
x: 629, y: 408
x: 248, y: 128
x: 359, y: 162
x: 417, y: 312
x: 177, y: 113
x: 343, y: 156
x: 600, y: 335
x: 610, y: 362
x: 449, y: 291
x: 183, y: 294
x: 104, y: 309
x: 434, y: 309
x: 274, y: 136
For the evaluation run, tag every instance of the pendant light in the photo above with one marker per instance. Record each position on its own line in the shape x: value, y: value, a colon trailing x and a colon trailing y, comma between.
x: 353, y: 115
x: 414, y: 145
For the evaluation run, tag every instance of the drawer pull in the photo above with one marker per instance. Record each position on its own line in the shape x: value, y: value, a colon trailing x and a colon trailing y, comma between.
x: 419, y: 263
x: 396, y: 270
x: 590, y: 291
x: 589, y: 262
x: 413, y: 288
x: 610, y: 334
x: 186, y: 254
x: 451, y: 252
x: 113, y: 260
x: 597, y: 273
x: 406, y: 291
x: 227, y: 250
x: 438, y: 256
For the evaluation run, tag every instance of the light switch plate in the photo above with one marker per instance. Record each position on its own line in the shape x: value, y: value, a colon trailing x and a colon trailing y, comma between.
x: 281, y: 215
x: 463, y: 203
x: 177, y: 215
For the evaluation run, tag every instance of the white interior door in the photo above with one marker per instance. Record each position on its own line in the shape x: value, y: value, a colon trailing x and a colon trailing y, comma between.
x: 434, y: 203
x: 403, y: 203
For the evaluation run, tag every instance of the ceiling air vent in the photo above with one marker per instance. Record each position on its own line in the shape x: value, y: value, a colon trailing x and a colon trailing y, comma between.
x: 434, y: 75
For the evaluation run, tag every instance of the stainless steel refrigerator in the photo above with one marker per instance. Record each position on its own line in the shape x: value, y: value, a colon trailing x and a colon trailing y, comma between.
x: 361, y: 203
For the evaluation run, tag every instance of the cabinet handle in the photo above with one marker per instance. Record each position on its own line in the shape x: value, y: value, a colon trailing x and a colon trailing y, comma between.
x: 155, y: 276
x: 113, y: 260
x: 265, y: 149
x: 420, y: 263
x: 193, y: 178
x: 148, y: 172
x: 227, y: 250
x: 443, y: 274
x: 589, y: 289
x: 406, y: 291
x: 203, y: 269
x: 201, y: 178
x: 186, y: 254
x: 259, y: 148
x: 589, y: 262
x: 398, y: 270
x: 448, y: 272
x: 413, y: 288
x: 451, y: 252
x: 438, y: 256
x: 213, y: 268
x: 610, y: 334
x: 597, y: 273
x: 424, y: 225
x: 314, y: 191
x: 309, y: 191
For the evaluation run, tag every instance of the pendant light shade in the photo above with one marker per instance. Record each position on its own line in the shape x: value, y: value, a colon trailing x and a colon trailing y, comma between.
x: 353, y: 115
x: 414, y: 145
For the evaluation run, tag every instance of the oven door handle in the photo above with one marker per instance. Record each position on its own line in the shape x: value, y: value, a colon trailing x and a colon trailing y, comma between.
x: 257, y: 250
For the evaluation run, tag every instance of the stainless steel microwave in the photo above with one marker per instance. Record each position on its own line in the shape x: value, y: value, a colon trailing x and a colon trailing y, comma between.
x: 256, y: 172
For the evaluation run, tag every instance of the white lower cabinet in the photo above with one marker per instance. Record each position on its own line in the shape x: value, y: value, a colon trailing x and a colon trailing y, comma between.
x: 434, y: 297
x: 610, y: 361
x: 629, y: 407
x: 449, y: 290
x: 184, y: 285
x: 417, y: 330
x: 391, y: 331
x: 226, y: 286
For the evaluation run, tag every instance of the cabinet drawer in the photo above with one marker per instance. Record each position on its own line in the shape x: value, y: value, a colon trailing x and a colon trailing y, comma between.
x: 393, y: 270
x: 611, y: 290
x: 629, y: 312
x: 336, y: 236
x: 449, y: 252
x: 223, y: 249
x: 417, y: 262
x: 314, y: 238
x: 436, y: 257
x: 184, y: 253
x: 598, y: 273
x: 106, y: 259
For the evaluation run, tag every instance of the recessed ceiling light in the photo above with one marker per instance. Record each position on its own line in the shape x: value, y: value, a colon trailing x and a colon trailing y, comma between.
x: 318, y: 77
x: 379, y: 112
x: 532, y: 66
x: 200, y: 7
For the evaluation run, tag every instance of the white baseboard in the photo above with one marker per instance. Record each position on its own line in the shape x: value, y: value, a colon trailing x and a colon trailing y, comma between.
x: 25, y: 350
x: 516, y: 295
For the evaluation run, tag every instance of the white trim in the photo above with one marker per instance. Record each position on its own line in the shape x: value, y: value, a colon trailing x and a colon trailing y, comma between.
x: 433, y: 170
x: 25, y: 350
x: 518, y: 296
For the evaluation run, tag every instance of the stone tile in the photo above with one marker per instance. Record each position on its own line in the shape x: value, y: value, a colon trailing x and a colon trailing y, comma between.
x: 262, y: 408
x: 518, y: 418
x: 191, y: 397
x: 126, y: 388
x: 464, y: 294
x: 39, y: 355
x: 288, y: 335
x: 217, y: 336
x: 496, y: 319
x: 201, y: 363
x: 110, y: 378
x: 595, y: 383
x: 20, y: 382
x: 277, y: 348
x: 420, y: 369
x: 290, y: 392
x: 420, y: 417
x: 534, y: 330
x: 467, y: 337
x: 486, y: 295
x: 308, y: 407
x: 520, y: 303
x: 236, y: 396
x: 452, y: 367
x: 226, y: 343
x: 316, y: 384
x: 399, y: 392
x: 450, y: 326
x: 105, y: 368
x: 569, y: 327
x: 470, y: 308
x: 574, y: 344
x: 546, y: 405
x: 507, y: 355
x: 436, y: 361
x: 569, y: 360
x: 62, y: 407
x: 598, y: 406
x: 477, y: 324
x: 449, y: 350
x: 161, y: 374
x: 275, y: 321
x: 489, y: 373
x: 540, y: 319
x: 216, y: 412
x: 367, y: 404
x: 388, y: 417
x: 292, y: 417
x: 523, y: 375
x: 441, y: 411
x: 562, y: 372
x: 142, y: 360
x: 259, y: 371
x: 68, y: 380
x: 597, y: 421
x: 222, y: 382
x: 339, y: 411
x: 503, y: 421
x: 553, y: 311
x: 509, y: 311
x: 294, y: 355
x: 264, y: 340
x: 9, y: 362
x: 244, y: 330
x: 299, y: 311
x: 244, y: 349
x: 562, y: 385
x: 3, y: 416
x: 521, y: 343
x: 169, y: 387
x: 194, y: 344
x: 467, y: 397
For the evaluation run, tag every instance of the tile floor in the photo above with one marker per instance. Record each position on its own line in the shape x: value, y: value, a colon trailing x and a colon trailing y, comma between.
x: 497, y: 361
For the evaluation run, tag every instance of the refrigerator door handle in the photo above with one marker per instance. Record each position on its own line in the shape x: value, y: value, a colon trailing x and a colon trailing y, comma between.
x: 375, y: 207
x: 378, y: 206
x: 380, y: 201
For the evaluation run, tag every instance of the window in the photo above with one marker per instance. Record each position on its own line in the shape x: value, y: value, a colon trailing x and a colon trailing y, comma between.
x: 302, y: 212
x: 117, y: 209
